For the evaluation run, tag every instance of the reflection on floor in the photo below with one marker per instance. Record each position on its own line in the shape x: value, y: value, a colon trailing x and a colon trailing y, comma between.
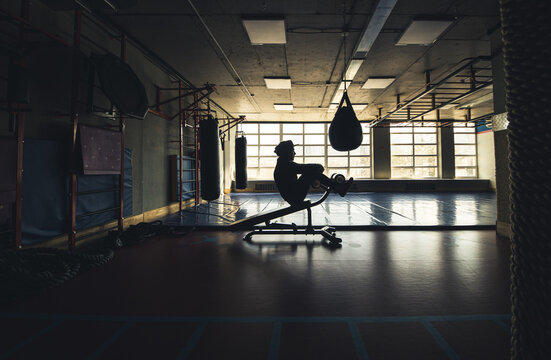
x: 210, y: 295
x: 355, y: 211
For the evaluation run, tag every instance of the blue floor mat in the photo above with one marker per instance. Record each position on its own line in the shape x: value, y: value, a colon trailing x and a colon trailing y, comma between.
x: 353, y: 211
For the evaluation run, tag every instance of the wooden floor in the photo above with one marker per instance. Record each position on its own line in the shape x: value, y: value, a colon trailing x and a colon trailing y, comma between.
x: 209, y: 295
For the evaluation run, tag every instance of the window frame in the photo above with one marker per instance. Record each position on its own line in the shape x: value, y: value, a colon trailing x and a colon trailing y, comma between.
x: 301, y: 158
x: 413, y: 155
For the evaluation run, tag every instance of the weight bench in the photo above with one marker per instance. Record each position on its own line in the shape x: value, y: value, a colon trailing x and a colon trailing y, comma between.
x: 277, y: 229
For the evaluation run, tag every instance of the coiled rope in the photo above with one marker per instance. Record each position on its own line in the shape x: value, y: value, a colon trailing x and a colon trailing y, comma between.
x: 526, y: 27
x: 30, y: 271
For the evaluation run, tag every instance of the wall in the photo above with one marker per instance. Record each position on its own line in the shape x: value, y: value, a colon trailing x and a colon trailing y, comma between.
x: 51, y: 70
x: 381, y: 152
x: 486, y: 157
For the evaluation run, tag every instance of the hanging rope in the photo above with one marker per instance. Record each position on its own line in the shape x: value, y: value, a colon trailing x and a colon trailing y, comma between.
x: 526, y: 53
x: 344, y: 34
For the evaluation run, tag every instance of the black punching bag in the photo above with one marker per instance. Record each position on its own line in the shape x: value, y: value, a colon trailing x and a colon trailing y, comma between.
x: 345, y: 131
x: 241, y: 162
x: 209, y: 154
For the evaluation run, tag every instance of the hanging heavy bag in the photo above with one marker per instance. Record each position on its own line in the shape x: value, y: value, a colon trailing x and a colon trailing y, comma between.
x: 209, y: 154
x: 345, y: 131
x: 241, y: 162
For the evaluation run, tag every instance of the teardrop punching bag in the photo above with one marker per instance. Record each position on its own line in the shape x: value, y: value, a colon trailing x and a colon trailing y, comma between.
x: 209, y: 154
x: 241, y: 162
x: 345, y: 131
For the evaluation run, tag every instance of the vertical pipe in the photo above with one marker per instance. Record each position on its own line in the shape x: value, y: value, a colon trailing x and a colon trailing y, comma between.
x: 19, y: 178
x: 20, y: 123
x: 74, y: 123
x: 158, y: 98
x: 196, y: 130
x: 122, y: 127
x: 181, y: 138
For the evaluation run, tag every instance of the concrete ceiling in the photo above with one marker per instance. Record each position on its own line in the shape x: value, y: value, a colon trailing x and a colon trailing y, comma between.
x: 313, y: 54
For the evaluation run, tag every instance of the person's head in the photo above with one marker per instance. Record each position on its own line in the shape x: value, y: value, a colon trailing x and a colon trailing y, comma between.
x: 285, y: 150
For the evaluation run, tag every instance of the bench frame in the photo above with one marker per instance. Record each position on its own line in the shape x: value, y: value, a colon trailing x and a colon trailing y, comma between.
x: 269, y: 228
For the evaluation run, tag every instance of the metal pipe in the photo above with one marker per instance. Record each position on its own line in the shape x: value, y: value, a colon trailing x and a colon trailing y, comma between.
x: 20, y: 123
x: 158, y: 105
x: 19, y: 178
x: 196, y: 131
x: 120, y: 221
x: 74, y: 123
x: 234, y: 72
x: 181, y: 128
x: 160, y: 114
x: 97, y: 212
x: 196, y: 104
x: 150, y: 55
x: 91, y: 192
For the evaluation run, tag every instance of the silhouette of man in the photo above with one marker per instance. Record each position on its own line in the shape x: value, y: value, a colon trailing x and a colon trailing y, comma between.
x: 294, y: 190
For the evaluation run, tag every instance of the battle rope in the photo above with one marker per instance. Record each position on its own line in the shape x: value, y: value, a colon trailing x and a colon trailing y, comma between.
x: 527, y: 57
x: 136, y: 234
x: 30, y: 271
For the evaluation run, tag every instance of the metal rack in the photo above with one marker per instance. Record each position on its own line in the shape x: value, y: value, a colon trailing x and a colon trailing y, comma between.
x: 470, y: 77
x: 114, y: 32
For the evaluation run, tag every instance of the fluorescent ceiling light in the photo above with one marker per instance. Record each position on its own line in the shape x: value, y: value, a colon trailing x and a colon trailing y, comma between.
x: 378, y: 82
x: 341, y: 84
x: 265, y: 31
x: 423, y: 32
x: 273, y: 82
x: 283, y: 107
x: 353, y: 68
x: 359, y: 107
x: 338, y: 96
x: 376, y: 23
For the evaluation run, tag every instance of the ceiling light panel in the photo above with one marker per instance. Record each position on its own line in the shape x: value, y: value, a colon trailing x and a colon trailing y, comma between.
x: 353, y: 68
x: 278, y: 82
x: 423, y: 32
x: 359, y: 107
x: 283, y: 107
x: 265, y: 31
x: 378, y: 82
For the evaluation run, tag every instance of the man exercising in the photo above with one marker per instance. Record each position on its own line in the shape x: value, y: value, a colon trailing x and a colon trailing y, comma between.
x: 294, y: 190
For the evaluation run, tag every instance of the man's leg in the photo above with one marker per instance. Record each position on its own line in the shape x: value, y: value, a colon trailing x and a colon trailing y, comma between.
x: 308, y: 179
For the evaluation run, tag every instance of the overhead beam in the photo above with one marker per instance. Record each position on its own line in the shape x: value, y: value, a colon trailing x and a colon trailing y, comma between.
x: 367, y: 39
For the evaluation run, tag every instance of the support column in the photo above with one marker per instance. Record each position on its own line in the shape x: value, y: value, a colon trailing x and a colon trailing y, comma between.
x: 446, y: 150
x: 181, y: 147
x: 381, y: 152
x: 122, y: 127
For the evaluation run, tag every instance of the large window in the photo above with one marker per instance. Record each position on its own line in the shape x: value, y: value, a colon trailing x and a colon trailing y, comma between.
x: 313, y: 147
x: 464, y: 137
x: 414, y: 150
